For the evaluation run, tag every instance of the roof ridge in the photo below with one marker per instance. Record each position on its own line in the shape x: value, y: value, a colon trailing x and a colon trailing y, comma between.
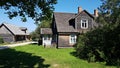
x: 14, y: 29
x: 84, y: 11
x: 11, y: 24
x: 4, y: 24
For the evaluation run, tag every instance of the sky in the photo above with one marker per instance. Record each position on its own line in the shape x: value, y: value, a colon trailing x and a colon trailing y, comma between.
x: 70, y: 6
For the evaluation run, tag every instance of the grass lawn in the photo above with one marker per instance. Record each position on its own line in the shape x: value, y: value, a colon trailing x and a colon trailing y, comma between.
x: 37, y: 56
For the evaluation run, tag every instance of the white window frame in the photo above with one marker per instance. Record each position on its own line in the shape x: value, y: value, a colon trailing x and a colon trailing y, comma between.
x: 72, y: 39
x: 83, y: 27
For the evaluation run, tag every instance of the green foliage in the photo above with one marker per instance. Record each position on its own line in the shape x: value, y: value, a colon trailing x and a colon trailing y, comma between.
x: 34, y: 36
x: 80, y: 47
x: 100, y: 44
x: 1, y: 40
x: 46, y: 24
x: 110, y: 11
x: 103, y: 43
x: 36, y: 9
x: 88, y: 47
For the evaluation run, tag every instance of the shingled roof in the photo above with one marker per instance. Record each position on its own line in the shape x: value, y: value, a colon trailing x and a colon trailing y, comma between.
x: 62, y: 22
x: 46, y: 31
x: 15, y: 29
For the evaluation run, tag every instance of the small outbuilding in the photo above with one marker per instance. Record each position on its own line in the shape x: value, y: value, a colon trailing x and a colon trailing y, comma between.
x: 46, y: 34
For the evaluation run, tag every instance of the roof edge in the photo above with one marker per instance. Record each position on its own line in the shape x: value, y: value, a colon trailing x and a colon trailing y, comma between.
x: 7, y: 28
x: 86, y: 12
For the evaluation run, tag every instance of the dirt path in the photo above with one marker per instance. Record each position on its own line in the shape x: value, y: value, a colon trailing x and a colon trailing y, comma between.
x: 14, y: 45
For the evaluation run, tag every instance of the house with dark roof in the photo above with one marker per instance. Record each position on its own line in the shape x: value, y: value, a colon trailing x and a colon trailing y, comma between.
x: 67, y: 26
x: 13, y: 33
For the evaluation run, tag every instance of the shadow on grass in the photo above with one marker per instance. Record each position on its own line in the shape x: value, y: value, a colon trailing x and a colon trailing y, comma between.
x: 74, y: 53
x: 11, y: 58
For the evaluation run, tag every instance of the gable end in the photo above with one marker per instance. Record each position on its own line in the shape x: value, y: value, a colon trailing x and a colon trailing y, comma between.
x: 7, y: 29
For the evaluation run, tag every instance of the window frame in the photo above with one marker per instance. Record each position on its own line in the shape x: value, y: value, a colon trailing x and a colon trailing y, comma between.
x: 72, y: 38
x: 85, y: 24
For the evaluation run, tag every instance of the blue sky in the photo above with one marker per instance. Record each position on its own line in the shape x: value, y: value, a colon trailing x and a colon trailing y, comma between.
x: 70, y: 6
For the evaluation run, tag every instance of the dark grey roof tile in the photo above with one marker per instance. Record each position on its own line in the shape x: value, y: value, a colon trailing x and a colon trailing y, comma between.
x: 15, y: 29
x: 46, y: 31
x: 62, y: 22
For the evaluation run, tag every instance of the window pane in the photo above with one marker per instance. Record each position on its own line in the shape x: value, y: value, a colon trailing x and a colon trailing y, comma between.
x: 82, y: 24
x: 72, y: 39
x: 48, y: 37
x: 45, y: 38
x: 85, y: 25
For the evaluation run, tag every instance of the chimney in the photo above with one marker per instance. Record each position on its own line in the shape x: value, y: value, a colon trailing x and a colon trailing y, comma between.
x: 79, y: 9
x: 96, y: 13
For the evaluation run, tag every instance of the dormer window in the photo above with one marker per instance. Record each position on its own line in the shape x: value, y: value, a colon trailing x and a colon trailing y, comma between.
x: 84, y: 24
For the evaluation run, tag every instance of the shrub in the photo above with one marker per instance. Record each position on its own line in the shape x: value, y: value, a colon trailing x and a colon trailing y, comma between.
x: 100, y: 44
x: 80, y: 47
x: 91, y: 45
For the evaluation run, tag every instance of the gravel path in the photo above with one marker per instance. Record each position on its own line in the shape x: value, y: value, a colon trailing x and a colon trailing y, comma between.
x: 14, y: 45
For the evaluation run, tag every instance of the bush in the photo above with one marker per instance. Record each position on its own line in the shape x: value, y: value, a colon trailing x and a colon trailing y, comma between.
x: 91, y: 45
x: 35, y: 36
x: 101, y: 44
x: 80, y: 47
x: 1, y: 40
x: 87, y: 49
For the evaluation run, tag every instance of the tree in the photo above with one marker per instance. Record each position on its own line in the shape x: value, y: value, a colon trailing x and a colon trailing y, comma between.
x: 110, y: 11
x: 34, y: 36
x: 90, y: 45
x: 36, y: 9
x: 44, y: 24
x: 103, y: 43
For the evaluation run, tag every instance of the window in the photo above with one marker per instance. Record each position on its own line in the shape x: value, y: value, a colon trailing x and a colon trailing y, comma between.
x: 84, y: 24
x: 47, y: 37
x: 72, y: 39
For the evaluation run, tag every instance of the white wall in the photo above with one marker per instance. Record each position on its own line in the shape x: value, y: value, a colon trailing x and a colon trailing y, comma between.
x: 46, y: 41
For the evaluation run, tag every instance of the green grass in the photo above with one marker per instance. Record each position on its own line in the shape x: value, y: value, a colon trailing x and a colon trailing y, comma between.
x: 37, y: 56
